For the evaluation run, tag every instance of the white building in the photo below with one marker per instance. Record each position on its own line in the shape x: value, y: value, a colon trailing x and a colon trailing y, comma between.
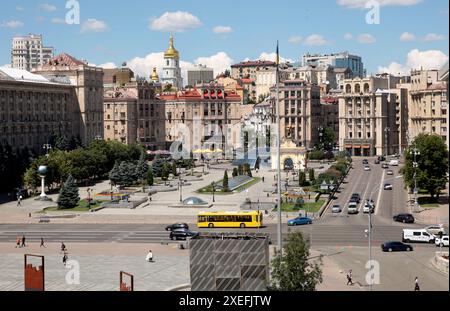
x: 28, y: 52
x: 199, y: 74
x: 171, y: 70
x: 339, y: 60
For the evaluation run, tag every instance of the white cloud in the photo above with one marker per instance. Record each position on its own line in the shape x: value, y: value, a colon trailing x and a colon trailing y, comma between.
x: 219, y: 62
x: 348, y: 36
x: 58, y: 20
x: 20, y: 8
x: 222, y: 29
x: 315, y: 40
x: 12, y: 24
x: 40, y: 19
x: 93, y: 25
x: 361, y: 4
x: 433, y: 37
x: 406, y: 36
x: 273, y: 57
x: 295, y: 40
x: 175, y: 21
x: 432, y: 59
x: 366, y: 38
x: 108, y: 66
x: 47, y: 7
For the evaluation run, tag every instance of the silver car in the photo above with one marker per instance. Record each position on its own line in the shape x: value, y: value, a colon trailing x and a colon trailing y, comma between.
x: 435, y: 229
x: 336, y: 209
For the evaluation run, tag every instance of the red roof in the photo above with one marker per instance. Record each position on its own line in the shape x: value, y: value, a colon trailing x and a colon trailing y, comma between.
x: 247, y: 81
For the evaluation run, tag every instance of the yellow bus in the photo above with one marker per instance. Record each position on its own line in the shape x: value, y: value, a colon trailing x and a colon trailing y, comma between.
x: 251, y: 219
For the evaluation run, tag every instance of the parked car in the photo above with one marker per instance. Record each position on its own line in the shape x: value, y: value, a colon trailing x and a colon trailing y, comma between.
x: 177, y: 226
x: 384, y: 166
x: 420, y: 235
x: 352, y: 208
x: 357, y: 197
x: 299, y: 221
x: 404, y: 218
x: 388, y: 187
x: 393, y: 163
x: 390, y: 172
x: 336, y: 209
x: 442, y: 242
x: 365, y: 162
x: 377, y: 161
x: 396, y: 247
x: 435, y: 230
x: 182, y: 234
x: 366, y: 168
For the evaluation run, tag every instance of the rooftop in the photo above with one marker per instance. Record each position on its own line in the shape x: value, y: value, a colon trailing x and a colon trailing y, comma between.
x: 254, y: 63
x: 13, y: 74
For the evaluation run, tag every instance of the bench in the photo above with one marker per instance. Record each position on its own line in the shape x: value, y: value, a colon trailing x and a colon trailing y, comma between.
x: 44, y: 220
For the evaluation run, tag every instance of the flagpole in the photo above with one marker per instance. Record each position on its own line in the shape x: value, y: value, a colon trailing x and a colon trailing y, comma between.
x: 278, y: 121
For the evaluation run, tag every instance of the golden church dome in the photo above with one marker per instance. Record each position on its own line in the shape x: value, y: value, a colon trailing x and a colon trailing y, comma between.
x: 154, y: 76
x: 171, y: 51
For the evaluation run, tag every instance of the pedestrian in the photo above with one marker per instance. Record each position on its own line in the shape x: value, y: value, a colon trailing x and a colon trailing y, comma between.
x: 263, y: 179
x: 349, y: 278
x: 19, y: 200
x: 149, y: 256
x: 23, y: 241
x: 65, y: 257
x: 63, y: 247
x: 416, y: 286
x: 18, y: 242
x: 42, y: 242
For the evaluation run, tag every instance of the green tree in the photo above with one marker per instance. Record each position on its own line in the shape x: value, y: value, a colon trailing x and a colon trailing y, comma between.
x: 68, y: 195
x: 142, y: 168
x: 432, y: 170
x: 150, y: 179
x: 165, y: 172
x: 127, y: 174
x: 225, y: 182
x: 114, y: 174
x: 301, y: 179
x: 312, y: 175
x: 157, y: 167
x: 235, y: 172
x: 328, y: 139
x: 174, y: 169
x: 240, y: 170
x: 294, y: 271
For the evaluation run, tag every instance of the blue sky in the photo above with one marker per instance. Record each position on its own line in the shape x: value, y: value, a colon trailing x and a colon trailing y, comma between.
x: 137, y: 30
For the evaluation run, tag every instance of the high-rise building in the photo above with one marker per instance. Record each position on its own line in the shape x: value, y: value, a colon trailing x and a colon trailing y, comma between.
x: 368, y: 117
x: 339, y: 60
x: 33, y: 108
x: 88, y: 82
x: 300, y: 111
x: 28, y: 52
x: 199, y: 74
x: 171, y: 69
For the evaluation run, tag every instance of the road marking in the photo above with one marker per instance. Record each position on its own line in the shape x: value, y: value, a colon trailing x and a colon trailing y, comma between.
x: 378, y: 207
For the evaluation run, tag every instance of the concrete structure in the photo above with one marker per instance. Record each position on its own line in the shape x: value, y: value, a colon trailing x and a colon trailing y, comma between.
x: 132, y: 114
x: 171, y: 70
x: 428, y: 106
x: 33, y: 108
x: 117, y: 76
x: 229, y: 262
x: 367, y: 116
x: 199, y: 74
x: 250, y: 68
x: 338, y: 60
x: 202, y: 116
x: 300, y: 111
x: 342, y: 74
x: 28, y: 52
x: 290, y: 155
x: 88, y: 82
x: 443, y: 76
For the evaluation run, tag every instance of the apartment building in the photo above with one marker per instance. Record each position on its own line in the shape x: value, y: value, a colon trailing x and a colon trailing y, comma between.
x: 29, y: 52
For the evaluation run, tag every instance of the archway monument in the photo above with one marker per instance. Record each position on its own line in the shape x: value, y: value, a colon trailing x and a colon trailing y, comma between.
x: 289, y: 150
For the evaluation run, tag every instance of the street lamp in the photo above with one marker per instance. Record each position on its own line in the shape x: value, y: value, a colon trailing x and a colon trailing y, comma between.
x: 416, y: 153
x: 89, y: 190
x: 213, y: 191
x: 180, y: 185
x: 320, y: 135
x: 386, y: 138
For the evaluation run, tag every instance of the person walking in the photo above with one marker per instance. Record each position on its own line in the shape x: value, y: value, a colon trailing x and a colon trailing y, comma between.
x: 416, y: 285
x: 65, y: 257
x: 63, y: 247
x: 18, y: 242
x: 19, y: 200
x: 149, y: 256
x: 23, y: 241
x: 42, y: 242
x: 350, y: 278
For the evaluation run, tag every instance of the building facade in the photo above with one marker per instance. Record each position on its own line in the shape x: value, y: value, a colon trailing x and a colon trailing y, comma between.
x: 300, y: 111
x: 33, y: 108
x: 28, y: 52
x: 88, y: 82
x: 428, y: 106
x: 250, y: 68
x: 200, y: 74
x: 367, y: 117
x: 203, y: 117
x: 329, y: 116
x: 171, y: 70
x: 338, y: 60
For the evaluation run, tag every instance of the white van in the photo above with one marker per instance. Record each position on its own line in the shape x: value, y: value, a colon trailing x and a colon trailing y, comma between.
x: 352, y: 208
x: 393, y: 163
x: 417, y: 235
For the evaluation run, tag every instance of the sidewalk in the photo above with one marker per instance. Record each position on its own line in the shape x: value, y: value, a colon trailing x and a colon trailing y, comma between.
x: 438, y: 215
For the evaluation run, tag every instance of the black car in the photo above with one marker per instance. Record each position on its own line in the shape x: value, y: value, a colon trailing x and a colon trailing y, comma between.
x: 404, y: 218
x: 177, y: 226
x: 396, y: 247
x: 385, y: 166
x: 365, y: 162
x: 182, y: 234
x: 382, y: 158
x: 355, y: 198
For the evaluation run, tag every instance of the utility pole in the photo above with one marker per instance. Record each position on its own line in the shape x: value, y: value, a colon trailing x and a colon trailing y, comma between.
x: 278, y: 161
x: 416, y: 153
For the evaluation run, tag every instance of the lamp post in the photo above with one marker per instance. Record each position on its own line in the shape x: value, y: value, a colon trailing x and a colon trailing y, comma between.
x: 180, y: 185
x: 320, y: 135
x: 416, y: 153
x: 213, y: 191
x: 89, y: 190
x: 386, y: 138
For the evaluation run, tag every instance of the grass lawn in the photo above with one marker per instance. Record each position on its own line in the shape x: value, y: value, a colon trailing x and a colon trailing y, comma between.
x: 309, y: 207
x: 428, y: 202
x: 82, y: 207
